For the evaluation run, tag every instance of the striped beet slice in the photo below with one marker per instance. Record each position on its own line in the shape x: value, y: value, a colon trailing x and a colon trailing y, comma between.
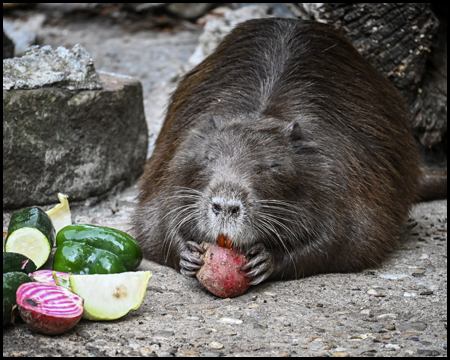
x: 49, y: 309
x: 46, y: 276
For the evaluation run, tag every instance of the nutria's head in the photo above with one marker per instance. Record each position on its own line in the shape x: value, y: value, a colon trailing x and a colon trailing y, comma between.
x: 243, y: 177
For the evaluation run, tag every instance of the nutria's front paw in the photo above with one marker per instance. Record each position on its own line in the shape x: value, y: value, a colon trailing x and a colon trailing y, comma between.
x: 260, y: 263
x: 190, y: 263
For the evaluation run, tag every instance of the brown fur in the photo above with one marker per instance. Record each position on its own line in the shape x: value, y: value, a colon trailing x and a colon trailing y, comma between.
x: 284, y: 137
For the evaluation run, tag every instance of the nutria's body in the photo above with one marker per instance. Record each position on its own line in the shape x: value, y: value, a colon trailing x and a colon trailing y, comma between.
x: 289, y: 142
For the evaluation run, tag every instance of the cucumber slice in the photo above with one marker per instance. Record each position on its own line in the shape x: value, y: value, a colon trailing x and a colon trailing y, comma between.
x: 11, y: 282
x: 17, y: 262
x: 32, y: 234
x: 110, y: 296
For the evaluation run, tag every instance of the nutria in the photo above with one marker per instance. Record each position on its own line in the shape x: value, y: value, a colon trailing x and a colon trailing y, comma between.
x: 289, y: 142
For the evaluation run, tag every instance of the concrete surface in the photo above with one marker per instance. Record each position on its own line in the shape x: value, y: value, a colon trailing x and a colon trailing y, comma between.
x: 399, y: 309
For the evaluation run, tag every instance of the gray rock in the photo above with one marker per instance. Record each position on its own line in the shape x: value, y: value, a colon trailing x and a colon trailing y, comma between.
x: 81, y: 143
x: 44, y: 67
x: 189, y: 11
x: 216, y: 29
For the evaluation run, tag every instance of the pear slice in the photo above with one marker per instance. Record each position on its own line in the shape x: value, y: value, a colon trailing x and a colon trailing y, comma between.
x: 110, y: 296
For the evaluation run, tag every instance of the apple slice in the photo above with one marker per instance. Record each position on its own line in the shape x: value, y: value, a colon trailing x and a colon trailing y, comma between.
x: 110, y: 296
x: 60, y: 214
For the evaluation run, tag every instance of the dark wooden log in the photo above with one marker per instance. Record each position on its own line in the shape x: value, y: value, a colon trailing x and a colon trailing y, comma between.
x: 408, y: 44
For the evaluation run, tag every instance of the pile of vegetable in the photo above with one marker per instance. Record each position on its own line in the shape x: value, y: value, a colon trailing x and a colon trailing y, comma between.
x: 93, y: 273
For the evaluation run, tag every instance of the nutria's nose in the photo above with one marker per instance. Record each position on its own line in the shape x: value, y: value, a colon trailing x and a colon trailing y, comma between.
x: 223, y: 207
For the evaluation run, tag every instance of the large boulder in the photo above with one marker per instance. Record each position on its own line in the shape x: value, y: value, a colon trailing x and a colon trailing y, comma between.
x: 79, y: 142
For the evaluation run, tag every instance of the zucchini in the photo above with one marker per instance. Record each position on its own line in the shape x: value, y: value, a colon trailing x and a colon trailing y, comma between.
x: 17, y: 262
x: 11, y: 282
x: 101, y: 237
x: 32, y: 234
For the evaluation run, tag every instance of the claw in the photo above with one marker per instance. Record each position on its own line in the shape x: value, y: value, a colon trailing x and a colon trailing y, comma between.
x: 188, y: 273
x: 187, y: 265
x: 259, y: 279
x: 262, y: 255
x: 255, y: 249
x: 255, y: 261
x: 193, y: 246
x: 260, y: 264
x: 257, y: 270
x: 190, y: 257
x: 189, y: 262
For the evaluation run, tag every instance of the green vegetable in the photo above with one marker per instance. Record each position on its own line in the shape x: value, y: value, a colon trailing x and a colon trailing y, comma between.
x: 32, y: 234
x: 105, y: 238
x: 17, y: 262
x: 11, y: 282
x: 78, y: 258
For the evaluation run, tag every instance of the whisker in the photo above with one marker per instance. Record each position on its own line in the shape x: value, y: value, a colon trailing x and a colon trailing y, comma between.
x: 282, y: 243
x: 175, y: 226
x: 275, y: 221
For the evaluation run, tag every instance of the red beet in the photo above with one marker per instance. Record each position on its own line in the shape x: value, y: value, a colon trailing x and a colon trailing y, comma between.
x: 49, y: 309
x: 221, y: 274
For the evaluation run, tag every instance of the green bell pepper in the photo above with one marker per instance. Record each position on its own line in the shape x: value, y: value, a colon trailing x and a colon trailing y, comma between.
x: 77, y: 258
x: 101, y: 237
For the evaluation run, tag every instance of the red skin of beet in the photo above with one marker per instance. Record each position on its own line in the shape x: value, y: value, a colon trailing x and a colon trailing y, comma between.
x: 38, y: 319
x: 47, y: 324
x: 221, y: 274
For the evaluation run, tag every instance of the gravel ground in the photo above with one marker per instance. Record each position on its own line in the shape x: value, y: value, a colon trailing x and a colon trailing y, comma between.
x: 399, y: 309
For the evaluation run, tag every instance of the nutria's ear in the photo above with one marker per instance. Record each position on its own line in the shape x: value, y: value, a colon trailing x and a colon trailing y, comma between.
x: 211, y: 123
x: 295, y: 133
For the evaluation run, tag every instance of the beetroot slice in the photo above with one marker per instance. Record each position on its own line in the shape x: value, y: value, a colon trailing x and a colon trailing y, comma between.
x: 49, y: 309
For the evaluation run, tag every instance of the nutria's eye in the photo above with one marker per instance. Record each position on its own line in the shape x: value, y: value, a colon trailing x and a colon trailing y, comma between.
x: 295, y: 132
x: 261, y: 169
x: 275, y: 167
x: 209, y: 157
